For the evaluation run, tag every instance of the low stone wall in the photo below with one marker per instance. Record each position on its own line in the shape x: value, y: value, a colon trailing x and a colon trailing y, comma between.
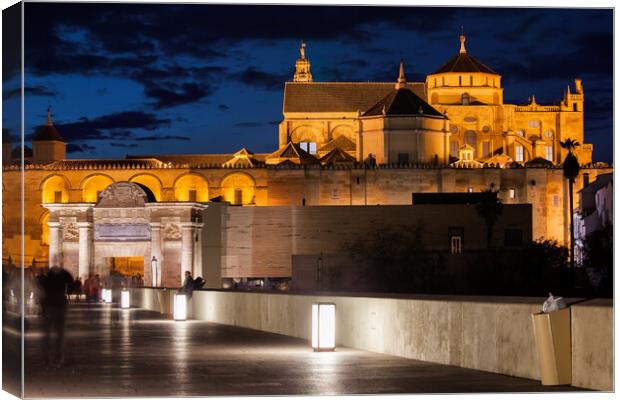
x: 491, y: 334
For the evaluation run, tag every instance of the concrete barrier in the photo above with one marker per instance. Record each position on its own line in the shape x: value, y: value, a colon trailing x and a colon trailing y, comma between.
x: 491, y: 334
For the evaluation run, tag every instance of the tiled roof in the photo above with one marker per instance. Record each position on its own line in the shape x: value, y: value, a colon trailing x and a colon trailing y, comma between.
x: 339, y: 96
x: 291, y: 152
x: 402, y: 102
x: 463, y: 62
x: 107, y: 164
x: 48, y: 132
x: 337, y: 156
x: 341, y: 142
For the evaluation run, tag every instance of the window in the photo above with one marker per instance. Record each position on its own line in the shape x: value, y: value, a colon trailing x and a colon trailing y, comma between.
x: 443, y: 81
x: 471, y: 80
x: 487, y: 81
x: 574, y: 106
x: 518, y: 153
x: 512, y: 193
x: 549, y: 153
x: 58, y: 197
x: 192, y: 195
x: 513, y: 237
x: 465, y: 99
x: 460, y: 81
x: 486, y: 149
x: 435, y: 82
x: 454, y: 148
x: 470, y: 138
x: 309, y: 147
x: 455, y: 236
x: 403, y: 158
x: 238, y: 196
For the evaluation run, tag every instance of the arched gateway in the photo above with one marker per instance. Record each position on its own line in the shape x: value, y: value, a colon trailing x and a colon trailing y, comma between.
x: 127, y: 232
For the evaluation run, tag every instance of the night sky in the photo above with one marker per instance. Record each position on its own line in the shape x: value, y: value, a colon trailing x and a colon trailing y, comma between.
x: 163, y: 79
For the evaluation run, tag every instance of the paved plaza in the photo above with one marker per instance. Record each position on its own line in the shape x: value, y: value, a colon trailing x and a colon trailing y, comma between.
x: 114, y: 352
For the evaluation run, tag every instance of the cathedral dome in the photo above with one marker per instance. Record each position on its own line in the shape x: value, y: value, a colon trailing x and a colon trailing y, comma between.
x: 463, y: 62
x: 48, y: 132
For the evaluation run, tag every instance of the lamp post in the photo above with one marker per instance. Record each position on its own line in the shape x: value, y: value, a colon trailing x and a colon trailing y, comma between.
x: 324, y: 327
x: 154, y: 271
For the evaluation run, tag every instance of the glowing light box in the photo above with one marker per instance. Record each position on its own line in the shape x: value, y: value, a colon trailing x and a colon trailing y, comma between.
x: 124, y: 298
x: 180, y: 307
x: 324, y: 327
x: 106, y: 295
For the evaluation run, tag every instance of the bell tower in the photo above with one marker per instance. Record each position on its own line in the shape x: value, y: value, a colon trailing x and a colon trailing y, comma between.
x: 302, y: 66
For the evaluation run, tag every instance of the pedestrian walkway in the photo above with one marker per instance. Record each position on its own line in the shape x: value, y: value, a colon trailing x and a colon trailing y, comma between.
x: 114, y: 352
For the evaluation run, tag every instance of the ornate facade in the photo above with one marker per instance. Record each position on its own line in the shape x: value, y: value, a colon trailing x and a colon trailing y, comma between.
x: 340, y: 143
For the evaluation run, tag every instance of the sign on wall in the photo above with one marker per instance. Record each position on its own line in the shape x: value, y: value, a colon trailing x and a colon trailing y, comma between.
x: 122, y: 232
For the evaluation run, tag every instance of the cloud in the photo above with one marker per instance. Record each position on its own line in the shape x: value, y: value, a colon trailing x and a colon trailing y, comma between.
x: 261, y: 79
x: 223, y: 107
x: 110, y: 126
x: 80, y: 148
x: 37, y: 90
x: 175, y: 95
x: 124, y: 145
x: 255, y: 124
x: 155, y: 138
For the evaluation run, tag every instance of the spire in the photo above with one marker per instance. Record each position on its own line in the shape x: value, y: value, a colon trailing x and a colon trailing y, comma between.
x: 462, y: 39
x: 302, y: 66
x: 401, y: 81
x: 49, y: 116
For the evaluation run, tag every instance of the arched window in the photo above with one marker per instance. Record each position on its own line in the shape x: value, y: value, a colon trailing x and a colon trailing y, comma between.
x: 239, y: 189
x: 470, y: 138
x: 150, y: 182
x: 55, y: 190
x: 191, y: 187
x: 93, y: 186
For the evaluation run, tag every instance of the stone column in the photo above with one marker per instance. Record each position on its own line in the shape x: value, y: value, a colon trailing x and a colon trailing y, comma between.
x: 157, y: 253
x: 187, y: 240
x: 85, y: 254
x: 55, y: 254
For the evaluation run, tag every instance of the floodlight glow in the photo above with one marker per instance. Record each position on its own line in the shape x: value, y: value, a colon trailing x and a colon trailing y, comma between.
x: 124, y: 298
x: 106, y: 294
x: 180, y: 307
x: 324, y: 327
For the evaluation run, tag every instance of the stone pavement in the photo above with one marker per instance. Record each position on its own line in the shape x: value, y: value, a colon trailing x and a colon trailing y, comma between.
x: 114, y: 352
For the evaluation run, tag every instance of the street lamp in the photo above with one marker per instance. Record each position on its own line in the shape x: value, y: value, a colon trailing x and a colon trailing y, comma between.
x: 124, y: 298
x: 324, y: 327
x: 154, y: 270
x: 180, y: 307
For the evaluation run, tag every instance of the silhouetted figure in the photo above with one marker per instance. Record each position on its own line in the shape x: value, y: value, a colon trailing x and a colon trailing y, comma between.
x: 188, y: 285
x: 90, y: 288
x: 54, y: 285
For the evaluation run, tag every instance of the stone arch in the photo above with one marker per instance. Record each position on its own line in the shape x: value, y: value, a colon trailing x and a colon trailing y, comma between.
x: 55, y: 187
x: 307, y: 133
x: 152, y: 182
x: 238, y: 188
x: 342, y: 130
x: 45, y: 229
x: 93, y: 185
x: 186, y: 183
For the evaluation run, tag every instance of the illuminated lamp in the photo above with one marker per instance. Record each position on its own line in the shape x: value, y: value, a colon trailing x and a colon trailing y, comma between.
x: 106, y: 294
x: 124, y: 298
x: 324, y: 327
x: 180, y: 307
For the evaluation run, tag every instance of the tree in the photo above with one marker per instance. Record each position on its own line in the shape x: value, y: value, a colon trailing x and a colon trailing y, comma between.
x: 571, y: 171
x: 490, y: 209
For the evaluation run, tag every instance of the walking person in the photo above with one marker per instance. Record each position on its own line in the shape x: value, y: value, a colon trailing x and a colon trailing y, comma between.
x: 54, y: 287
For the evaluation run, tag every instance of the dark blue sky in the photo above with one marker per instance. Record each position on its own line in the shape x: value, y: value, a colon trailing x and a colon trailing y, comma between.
x: 152, y: 79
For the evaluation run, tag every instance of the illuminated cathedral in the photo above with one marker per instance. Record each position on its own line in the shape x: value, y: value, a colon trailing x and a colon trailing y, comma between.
x: 340, y: 143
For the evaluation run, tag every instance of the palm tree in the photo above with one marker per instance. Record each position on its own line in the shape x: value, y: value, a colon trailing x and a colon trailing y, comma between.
x: 571, y: 170
x: 490, y: 209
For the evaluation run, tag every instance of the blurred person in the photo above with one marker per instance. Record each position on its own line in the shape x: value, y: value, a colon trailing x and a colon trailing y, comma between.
x: 188, y: 285
x: 54, y: 285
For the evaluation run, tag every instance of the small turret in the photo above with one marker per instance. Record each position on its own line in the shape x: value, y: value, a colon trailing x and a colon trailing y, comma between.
x: 48, y: 145
x: 401, y: 81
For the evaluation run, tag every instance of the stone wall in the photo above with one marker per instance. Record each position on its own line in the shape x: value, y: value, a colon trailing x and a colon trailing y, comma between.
x: 493, y: 334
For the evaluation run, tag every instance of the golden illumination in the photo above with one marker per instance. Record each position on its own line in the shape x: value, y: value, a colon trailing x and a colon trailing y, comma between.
x: 150, y: 182
x: 45, y: 229
x: 191, y: 187
x: 93, y: 186
x: 55, y: 190
x: 238, y: 188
